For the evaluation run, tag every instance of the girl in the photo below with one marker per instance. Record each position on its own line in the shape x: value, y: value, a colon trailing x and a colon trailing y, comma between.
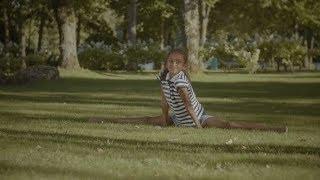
x: 178, y: 96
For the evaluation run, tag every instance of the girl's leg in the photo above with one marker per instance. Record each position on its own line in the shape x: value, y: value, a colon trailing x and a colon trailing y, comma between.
x: 156, y: 120
x: 219, y: 123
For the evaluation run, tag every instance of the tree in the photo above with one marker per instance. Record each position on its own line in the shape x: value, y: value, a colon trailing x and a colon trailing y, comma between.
x: 205, y: 8
x: 132, y: 22
x: 159, y: 30
x: 4, y: 6
x: 67, y: 24
x: 23, y: 13
x: 308, y: 18
x: 192, y: 30
x: 43, y: 16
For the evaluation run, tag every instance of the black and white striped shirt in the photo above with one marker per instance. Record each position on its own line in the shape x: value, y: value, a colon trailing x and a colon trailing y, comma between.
x: 170, y: 89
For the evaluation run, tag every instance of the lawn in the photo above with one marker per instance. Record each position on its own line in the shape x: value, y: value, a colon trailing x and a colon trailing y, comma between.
x: 44, y: 133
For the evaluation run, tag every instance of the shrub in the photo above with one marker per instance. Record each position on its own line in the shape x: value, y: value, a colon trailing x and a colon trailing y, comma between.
x: 10, y: 64
x: 101, y: 56
x: 143, y: 52
x: 53, y: 60
x: 36, y: 59
x: 97, y: 59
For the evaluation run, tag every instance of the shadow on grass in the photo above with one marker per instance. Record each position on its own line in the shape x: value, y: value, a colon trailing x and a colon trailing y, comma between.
x: 248, y: 93
x: 84, y: 99
x: 245, y: 106
x: 17, y: 117
x: 279, y: 90
x: 92, y: 141
x: 6, y: 167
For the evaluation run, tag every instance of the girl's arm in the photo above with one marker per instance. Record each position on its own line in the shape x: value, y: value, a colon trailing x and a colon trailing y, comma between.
x: 165, y: 108
x: 186, y: 100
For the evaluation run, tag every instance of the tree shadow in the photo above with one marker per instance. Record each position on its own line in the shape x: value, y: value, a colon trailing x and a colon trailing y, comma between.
x: 83, y: 99
x: 278, y: 90
x: 96, y: 141
x: 250, y: 94
x: 52, y: 170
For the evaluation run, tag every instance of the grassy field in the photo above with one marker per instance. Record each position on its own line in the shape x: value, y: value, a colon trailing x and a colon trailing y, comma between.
x: 44, y: 134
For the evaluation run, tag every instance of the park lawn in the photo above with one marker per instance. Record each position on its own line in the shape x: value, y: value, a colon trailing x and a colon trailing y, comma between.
x: 44, y: 133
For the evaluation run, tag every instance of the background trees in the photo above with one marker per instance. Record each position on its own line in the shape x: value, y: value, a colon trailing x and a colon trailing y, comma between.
x: 55, y: 32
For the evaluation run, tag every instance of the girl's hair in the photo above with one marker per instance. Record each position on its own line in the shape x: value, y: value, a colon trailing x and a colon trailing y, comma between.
x: 165, y: 71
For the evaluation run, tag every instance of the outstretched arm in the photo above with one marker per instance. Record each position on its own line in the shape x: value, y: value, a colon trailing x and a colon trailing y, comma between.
x: 186, y: 100
x: 165, y: 108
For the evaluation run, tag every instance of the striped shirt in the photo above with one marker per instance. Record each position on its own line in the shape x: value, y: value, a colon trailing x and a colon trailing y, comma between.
x: 170, y: 89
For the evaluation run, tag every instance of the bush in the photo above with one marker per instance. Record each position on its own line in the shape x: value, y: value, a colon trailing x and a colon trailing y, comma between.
x: 53, y: 60
x: 12, y: 49
x: 143, y: 52
x: 105, y: 38
x: 97, y: 59
x: 10, y: 64
x: 36, y: 59
x: 101, y: 56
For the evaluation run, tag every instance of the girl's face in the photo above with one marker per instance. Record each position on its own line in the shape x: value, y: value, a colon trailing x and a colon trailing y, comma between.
x: 175, y: 63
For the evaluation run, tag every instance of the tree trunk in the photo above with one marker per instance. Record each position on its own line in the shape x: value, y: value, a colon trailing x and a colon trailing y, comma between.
x: 29, y: 38
x: 162, y: 34
x: 78, y: 31
x: 59, y: 25
x: 68, y: 42
x: 278, y: 62
x: 169, y: 40
x: 132, y: 22
x: 191, y: 20
x: 181, y: 32
x: 272, y: 63
x: 23, y: 44
x: 296, y: 31
x: 205, y: 12
x: 306, y: 59
x: 40, y: 33
x: 311, y: 53
x: 6, y: 28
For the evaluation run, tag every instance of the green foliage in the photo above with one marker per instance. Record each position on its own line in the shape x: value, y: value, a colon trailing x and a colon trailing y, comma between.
x: 289, y: 52
x: 253, y: 52
x: 232, y: 50
x: 98, y: 59
x: 101, y: 56
x: 53, y: 60
x: 141, y: 53
x: 106, y: 38
x: 12, y: 49
x: 220, y: 47
x: 10, y: 64
x: 162, y: 20
x: 307, y: 12
x: 36, y: 59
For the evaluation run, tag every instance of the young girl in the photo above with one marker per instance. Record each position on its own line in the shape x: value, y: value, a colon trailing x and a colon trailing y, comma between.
x: 178, y: 96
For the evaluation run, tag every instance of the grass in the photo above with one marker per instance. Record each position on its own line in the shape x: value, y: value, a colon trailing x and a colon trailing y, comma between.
x: 44, y: 134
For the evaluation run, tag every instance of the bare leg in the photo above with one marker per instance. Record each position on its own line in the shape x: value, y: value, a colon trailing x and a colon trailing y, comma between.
x: 156, y: 120
x: 219, y: 123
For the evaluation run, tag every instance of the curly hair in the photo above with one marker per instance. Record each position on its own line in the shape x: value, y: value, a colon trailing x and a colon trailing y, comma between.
x: 165, y: 71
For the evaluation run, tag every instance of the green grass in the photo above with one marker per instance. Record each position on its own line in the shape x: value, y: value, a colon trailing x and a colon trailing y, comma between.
x: 44, y: 134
